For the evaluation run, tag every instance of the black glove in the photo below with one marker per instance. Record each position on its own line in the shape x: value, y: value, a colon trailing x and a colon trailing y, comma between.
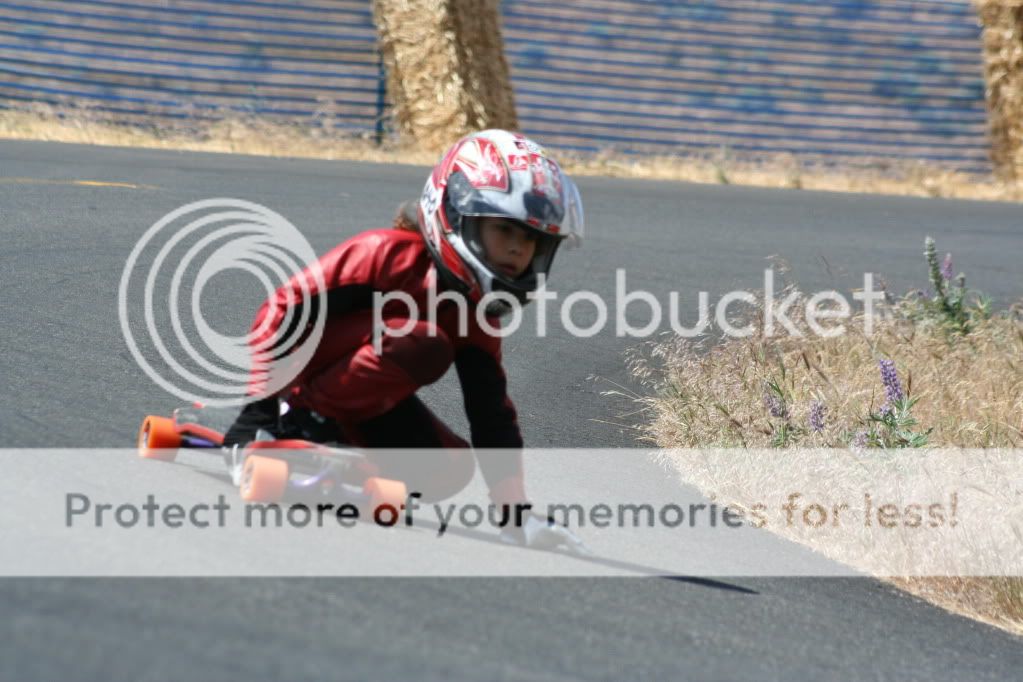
x: 261, y: 414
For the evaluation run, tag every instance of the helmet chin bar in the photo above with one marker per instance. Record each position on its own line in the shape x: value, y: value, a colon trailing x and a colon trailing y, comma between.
x: 495, y: 307
x: 489, y: 281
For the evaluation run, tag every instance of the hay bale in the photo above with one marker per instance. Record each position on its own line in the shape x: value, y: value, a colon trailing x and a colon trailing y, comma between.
x: 446, y: 71
x: 1003, y: 69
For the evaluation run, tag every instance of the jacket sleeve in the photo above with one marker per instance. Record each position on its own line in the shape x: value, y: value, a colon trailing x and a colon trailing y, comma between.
x: 493, y: 423
x: 347, y: 272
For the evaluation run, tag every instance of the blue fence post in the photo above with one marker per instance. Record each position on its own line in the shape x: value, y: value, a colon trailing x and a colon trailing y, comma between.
x: 381, y: 96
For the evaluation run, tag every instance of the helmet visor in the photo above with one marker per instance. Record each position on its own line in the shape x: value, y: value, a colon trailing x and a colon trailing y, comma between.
x: 555, y: 212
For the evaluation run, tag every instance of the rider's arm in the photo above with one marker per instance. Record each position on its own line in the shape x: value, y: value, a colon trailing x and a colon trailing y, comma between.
x: 348, y: 273
x: 493, y: 423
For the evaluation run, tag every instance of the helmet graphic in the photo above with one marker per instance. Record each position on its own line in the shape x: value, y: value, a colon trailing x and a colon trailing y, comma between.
x: 496, y: 173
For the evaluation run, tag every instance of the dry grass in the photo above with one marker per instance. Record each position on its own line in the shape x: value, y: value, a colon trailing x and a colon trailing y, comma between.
x: 232, y: 135
x: 996, y: 600
x: 784, y: 171
x: 969, y: 389
x: 240, y: 135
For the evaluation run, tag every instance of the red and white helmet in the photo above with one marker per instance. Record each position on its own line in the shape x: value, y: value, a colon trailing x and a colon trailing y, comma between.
x: 500, y: 174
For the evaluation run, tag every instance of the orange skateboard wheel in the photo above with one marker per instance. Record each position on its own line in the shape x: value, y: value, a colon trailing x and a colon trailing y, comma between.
x: 264, y: 479
x: 158, y: 439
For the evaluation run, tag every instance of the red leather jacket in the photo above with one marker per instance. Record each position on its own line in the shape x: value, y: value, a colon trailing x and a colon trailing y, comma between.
x: 387, y: 260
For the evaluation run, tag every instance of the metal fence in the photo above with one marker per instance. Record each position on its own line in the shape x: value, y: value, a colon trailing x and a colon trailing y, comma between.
x: 846, y: 80
x: 190, y: 60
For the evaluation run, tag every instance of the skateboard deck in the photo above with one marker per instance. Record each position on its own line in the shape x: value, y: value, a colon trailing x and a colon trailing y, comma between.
x: 270, y: 470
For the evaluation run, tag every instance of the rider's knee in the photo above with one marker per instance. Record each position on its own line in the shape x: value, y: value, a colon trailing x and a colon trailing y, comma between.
x: 425, y: 353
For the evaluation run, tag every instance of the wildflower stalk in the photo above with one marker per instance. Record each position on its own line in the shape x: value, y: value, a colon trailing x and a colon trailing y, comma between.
x: 937, y: 281
x: 893, y: 425
x: 948, y: 300
x: 817, y: 413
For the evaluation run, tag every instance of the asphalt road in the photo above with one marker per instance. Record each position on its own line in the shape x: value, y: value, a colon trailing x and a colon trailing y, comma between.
x: 69, y: 381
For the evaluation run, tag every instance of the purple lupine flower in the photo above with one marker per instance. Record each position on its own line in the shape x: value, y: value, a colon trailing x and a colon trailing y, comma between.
x: 946, y: 267
x: 817, y: 411
x: 775, y: 405
x: 859, y: 441
x: 890, y: 379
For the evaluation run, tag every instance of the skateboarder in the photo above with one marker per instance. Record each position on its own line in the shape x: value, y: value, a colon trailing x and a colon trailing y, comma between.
x: 491, y: 216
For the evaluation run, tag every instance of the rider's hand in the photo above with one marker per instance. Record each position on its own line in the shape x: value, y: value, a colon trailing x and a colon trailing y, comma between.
x: 538, y: 532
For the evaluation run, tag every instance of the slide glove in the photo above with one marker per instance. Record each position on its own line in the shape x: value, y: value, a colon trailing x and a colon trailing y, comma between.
x: 543, y: 533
